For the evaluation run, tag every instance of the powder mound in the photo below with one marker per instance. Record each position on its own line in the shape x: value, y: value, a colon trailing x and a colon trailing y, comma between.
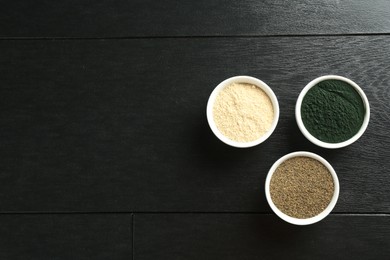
x: 332, y: 111
x: 243, y: 112
x: 301, y: 187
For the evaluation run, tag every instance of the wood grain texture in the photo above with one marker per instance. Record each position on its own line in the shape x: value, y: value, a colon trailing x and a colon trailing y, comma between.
x: 120, y: 125
x: 65, y: 236
x: 242, y: 236
x: 139, y: 18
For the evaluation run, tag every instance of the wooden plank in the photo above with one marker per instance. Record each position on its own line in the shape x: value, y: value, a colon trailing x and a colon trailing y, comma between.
x: 140, y: 18
x: 251, y: 236
x: 66, y: 236
x: 120, y: 125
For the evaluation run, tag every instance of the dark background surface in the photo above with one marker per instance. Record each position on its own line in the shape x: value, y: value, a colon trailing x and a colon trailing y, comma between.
x: 105, y: 151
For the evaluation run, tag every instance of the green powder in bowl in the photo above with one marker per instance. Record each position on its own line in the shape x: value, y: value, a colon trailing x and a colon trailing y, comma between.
x: 333, y: 111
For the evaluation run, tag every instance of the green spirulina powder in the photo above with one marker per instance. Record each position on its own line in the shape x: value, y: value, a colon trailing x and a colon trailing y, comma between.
x: 332, y: 111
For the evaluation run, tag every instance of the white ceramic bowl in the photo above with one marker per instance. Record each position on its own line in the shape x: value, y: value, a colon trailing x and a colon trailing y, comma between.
x: 249, y: 80
x: 306, y: 221
x: 312, y: 138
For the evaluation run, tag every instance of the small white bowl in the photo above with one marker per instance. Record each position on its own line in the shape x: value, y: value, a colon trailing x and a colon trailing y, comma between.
x: 316, y: 218
x: 312, y: 138
x: 249, y: 80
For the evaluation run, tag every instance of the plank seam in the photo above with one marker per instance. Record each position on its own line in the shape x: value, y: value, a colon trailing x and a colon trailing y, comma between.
x: 192, y: 36
x: 132, y: 235
x: 184, y: 213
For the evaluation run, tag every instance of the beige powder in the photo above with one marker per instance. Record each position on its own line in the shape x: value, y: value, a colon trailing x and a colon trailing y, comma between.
x: 243, y: 112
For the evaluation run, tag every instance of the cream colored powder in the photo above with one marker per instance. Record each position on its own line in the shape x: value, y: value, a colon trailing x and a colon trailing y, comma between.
x: 243, y: 112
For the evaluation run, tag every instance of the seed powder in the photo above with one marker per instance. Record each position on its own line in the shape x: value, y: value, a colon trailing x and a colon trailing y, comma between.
x: 301, y: 187
x: 243, y: 112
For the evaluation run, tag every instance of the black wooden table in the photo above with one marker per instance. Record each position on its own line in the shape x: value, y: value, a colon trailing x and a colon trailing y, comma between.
x: 105, y: 151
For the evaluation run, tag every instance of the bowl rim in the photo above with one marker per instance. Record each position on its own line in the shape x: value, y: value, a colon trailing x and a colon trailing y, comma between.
x: 307, y: 221
x: 315, y: 140
x: 242, y: 79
